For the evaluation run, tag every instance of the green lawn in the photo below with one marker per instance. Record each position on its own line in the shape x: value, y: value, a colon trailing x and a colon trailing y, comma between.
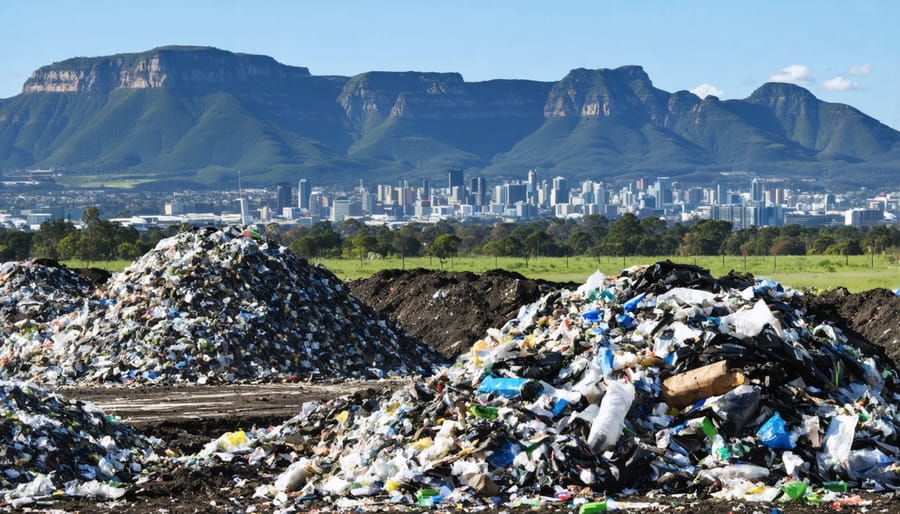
x: 858, y: 273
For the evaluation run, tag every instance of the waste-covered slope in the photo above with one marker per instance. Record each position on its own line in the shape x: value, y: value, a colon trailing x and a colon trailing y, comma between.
x: 51, y: 444
x: 34, y: 292
x: 662, y: 379
x: 216, y: 305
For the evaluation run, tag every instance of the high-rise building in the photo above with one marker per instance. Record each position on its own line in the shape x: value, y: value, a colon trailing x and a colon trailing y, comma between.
x: 514, y: 193
x: 663, y: 189
x: 455, y: 179
x: 245, y: 211
x: 756, y: 192
x: 426, y: 189
x: 304, y: 190
x: 478, y: 191
x: 560, y: 192
x: 340, y: 209
x: 283, y: 199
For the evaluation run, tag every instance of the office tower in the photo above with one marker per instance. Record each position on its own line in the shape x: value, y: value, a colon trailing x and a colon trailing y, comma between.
x: 455, y: 179
x: 283, y: 199
x: 304, y: 190
x: 560, y: 192
x: 663, y: 190
x: 756, y: 193
x: 426, y: 189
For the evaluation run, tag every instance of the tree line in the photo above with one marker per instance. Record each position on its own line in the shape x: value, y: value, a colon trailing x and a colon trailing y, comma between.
x: 97, y: 240
x: 592, y: 236
x: 101, y: 240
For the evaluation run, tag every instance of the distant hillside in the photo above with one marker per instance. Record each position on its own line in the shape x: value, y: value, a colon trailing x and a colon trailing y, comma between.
x: 199, y: 114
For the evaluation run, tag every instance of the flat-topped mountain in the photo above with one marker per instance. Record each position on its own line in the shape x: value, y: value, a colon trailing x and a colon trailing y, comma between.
x: 181, y: 116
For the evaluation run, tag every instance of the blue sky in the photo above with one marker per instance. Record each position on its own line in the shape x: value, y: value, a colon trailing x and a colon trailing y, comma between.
x: 843, y: 51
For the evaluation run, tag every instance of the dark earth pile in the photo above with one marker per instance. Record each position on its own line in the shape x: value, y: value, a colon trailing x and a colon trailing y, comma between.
x: 448, y: 310
x: 213, y: 305
x: 872, y: 316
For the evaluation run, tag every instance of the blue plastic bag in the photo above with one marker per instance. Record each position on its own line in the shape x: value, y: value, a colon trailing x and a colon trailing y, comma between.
x: 774, y: 434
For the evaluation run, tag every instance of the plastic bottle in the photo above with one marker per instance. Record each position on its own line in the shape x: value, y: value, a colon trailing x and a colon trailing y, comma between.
x: 592, y: 507
x: 838, y: 486
x: 483, y: 411
x: 509, y: 387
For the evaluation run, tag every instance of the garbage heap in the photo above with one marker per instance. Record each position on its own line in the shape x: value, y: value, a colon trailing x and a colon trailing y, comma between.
x: 662, y: 379
x: 50, y: 444
x: 218, y: 306
x: 35, y: 292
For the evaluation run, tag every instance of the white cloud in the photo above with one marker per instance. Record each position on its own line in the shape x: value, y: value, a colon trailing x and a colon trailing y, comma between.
x: 861, y: 69
x: 704, y: 90
x: 840, y: 83
x: 795, y: 74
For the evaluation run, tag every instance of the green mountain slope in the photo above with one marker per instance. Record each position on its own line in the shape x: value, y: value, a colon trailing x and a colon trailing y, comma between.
x: 199, y: 114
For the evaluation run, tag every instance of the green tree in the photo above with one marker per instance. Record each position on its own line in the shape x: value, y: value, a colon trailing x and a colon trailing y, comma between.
x: 363, y: 243
x: 624, y: 235
x: 49, y: 235
x: 444, y: 246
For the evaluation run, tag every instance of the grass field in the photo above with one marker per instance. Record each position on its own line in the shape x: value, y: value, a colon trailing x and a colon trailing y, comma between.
x: 858, y: 273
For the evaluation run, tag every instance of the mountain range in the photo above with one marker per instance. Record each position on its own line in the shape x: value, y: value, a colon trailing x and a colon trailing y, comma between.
x: 190, y: 117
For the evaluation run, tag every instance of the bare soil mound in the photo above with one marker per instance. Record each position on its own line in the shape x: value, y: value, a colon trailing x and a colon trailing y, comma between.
x: 448, y: 310
x: 873, y: 316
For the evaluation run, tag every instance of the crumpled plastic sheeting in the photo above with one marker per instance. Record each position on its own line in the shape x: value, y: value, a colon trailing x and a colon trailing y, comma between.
x: 217, y: 306
x: 49, y: 443
x: 450, y: 437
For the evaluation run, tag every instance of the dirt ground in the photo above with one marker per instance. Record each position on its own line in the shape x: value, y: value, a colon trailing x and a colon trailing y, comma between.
x: 460, y: 306
x: 872, y: 316
x: 448, y: 310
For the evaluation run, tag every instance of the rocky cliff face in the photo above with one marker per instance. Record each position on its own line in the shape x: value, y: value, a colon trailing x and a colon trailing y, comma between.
x: 436, y: 96
x: 610, y: 93
x: 167, y: 67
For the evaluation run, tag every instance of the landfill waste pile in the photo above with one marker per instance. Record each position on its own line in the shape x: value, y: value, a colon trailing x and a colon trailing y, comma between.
x: 51, y: 445
x: 661, y: 380
x: 213, y: 306
x: 445, y: 309
x: 34, y: 292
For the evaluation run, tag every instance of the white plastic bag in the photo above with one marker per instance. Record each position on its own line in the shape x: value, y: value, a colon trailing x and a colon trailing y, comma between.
x: 610, y: 420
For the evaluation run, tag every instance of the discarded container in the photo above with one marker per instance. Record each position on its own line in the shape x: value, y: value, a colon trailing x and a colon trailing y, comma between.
x: 510, y: 387
x: 686, y: 388
x: 592, y: 507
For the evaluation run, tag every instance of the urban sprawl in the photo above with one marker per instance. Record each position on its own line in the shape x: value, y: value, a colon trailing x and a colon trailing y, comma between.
x: 760, y: 202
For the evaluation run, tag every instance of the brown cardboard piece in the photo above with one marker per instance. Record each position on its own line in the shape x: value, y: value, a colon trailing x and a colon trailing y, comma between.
x: 712, y: 380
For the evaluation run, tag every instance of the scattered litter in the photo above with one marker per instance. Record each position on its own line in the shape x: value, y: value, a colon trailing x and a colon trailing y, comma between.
x: 578, y: 398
